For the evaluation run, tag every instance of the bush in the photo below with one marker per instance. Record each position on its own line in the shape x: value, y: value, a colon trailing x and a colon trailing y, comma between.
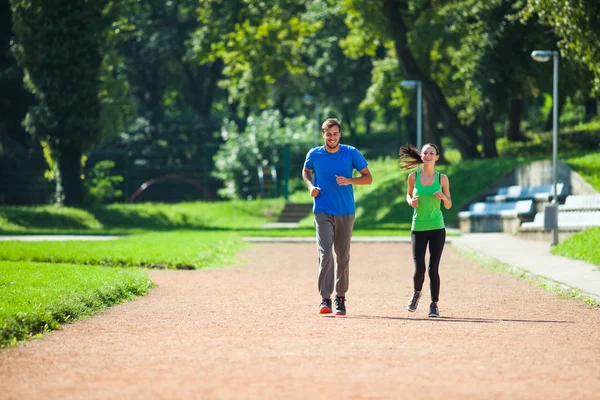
x: 101, y: 186
x: 580, y: 138
x: 261, y: 144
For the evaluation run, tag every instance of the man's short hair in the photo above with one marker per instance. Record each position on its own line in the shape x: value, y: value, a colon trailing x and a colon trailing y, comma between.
x: 329, y: 122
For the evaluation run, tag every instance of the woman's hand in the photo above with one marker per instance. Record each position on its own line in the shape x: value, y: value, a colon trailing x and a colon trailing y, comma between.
x: 414, y: 201
x: 440, y: 195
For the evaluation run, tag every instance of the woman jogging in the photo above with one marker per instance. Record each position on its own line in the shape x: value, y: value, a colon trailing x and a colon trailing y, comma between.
x: 426, y: 189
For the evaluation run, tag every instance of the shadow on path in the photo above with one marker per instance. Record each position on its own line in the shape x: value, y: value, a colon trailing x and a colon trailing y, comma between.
x: 455, y: 319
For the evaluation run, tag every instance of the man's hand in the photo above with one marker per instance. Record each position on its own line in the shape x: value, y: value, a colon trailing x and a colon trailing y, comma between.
x: 314, y: 192
x: 342, y: 180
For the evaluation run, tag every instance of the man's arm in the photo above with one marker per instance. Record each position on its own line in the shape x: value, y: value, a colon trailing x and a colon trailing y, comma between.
x: 307, y: 177
x: 365, y: 178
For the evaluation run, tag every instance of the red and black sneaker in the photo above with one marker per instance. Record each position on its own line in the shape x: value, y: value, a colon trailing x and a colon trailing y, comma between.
x: 340, y: 305
x: 325, y: 307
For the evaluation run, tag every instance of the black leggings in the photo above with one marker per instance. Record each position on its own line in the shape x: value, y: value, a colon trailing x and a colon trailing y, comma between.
x: 436, y: 240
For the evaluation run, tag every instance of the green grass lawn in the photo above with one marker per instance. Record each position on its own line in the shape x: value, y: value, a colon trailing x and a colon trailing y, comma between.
x: 178, y: 249
x: 583, y: 246
x: 37, y: 297
x: 135, y: 218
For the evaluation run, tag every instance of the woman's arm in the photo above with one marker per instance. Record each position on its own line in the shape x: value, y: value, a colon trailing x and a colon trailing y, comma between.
x: 446, y: 192
x: 412, y: 201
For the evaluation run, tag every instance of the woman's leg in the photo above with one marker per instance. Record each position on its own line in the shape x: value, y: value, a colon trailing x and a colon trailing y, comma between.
x: 437, y: 239
x: 419, y: 247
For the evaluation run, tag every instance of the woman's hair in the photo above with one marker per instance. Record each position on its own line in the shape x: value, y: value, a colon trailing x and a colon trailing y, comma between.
x: 410, y: 156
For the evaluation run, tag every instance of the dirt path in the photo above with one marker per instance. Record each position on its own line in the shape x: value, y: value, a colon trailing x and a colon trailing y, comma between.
x: 252, y: 332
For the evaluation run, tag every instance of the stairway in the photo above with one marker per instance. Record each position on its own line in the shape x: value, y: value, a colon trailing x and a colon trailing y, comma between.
x: 294, y: 212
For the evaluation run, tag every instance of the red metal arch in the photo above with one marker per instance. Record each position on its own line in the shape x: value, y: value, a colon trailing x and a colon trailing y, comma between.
x: 163, y: 178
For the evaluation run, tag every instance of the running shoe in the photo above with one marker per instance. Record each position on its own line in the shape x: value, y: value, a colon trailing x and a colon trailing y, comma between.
x: 325, y: 307
x: 340, y: 305
x: 433, y: 310
x: 414, y: 301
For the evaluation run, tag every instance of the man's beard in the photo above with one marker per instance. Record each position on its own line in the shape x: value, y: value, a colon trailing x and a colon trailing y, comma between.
x: 334, y: 146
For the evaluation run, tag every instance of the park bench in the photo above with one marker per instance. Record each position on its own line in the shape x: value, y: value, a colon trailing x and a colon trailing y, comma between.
x: 517, y: 192
x: 496, y: 217
x: 581, y: 203
x: 567, y: 220
x: 578, y: 213
x: 508, y: 209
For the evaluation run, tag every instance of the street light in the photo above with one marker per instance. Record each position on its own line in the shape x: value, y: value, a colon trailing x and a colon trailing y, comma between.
x: 308, y: 98
x: 543, y: 56
x: 418, y: 85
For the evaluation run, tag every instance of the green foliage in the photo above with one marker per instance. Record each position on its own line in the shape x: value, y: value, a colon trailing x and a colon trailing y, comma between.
x: 580, y: 138
x: 263, y: 45
x: 577, y: 24
x: 58, y: 46
x: 37, y: 298
x: 588, y: 166
x: 261, y: 144
x: 581, y: 246
x: 101, y: 186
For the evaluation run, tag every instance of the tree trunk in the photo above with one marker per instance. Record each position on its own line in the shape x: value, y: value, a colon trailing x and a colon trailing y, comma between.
x: 347, y: 129
x: 512, y: 126
x: 280, y: 104
x: 431, y: 133
x: 369, y: 116
x: 488, y: 137
x: 591, y: 109
x: 465, y: 141
x: 69, y: 187
x: 549, y: 119
x: 410, y: 122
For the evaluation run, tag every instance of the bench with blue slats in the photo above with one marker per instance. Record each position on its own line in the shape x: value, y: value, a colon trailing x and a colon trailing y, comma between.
x: 541, y: 192
x: 506, y: 209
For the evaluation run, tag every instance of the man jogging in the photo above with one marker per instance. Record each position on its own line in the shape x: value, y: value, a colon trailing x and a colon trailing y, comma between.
x: 334, y: 209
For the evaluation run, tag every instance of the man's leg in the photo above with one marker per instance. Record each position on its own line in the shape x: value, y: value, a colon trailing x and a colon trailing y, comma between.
x: 342, y: 237
x: 324, y: 227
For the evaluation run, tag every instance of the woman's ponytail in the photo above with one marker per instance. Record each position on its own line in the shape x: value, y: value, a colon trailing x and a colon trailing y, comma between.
x: 409, y: 157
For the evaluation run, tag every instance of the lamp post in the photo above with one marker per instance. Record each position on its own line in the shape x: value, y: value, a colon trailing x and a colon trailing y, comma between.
x: 308, y: 98
x: 418, y: 85
x: 543, y: 56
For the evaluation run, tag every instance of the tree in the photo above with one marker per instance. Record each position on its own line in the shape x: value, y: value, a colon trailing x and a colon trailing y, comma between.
x: 464, y: 138
x: 58, y: 45
x: 577, y: 24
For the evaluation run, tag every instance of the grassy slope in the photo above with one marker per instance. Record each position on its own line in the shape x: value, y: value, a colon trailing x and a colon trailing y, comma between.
x: 584, y: 245
x: 36, y: 298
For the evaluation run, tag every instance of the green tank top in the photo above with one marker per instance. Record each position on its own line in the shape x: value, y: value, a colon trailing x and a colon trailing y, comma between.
x: 428, y: 214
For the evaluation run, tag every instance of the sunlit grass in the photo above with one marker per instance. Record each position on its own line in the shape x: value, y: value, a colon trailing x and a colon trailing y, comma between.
x: 36, y: 297
x: 583, y: 246
x: 179, y: 249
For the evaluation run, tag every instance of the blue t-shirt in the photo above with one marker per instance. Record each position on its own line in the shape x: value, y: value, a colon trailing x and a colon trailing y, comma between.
x: 334, y: 199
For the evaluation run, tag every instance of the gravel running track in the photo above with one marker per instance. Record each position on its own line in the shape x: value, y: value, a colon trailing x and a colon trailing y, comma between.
x: 252, y: 331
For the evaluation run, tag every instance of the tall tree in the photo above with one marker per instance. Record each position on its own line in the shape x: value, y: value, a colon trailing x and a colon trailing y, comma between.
x: 577, y: 24
x: 58, y: 45
x: 14, y: 98
x: 464, y: 138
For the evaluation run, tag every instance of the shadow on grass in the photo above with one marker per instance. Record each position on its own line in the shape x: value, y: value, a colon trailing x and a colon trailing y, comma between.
x: 40, y: 218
